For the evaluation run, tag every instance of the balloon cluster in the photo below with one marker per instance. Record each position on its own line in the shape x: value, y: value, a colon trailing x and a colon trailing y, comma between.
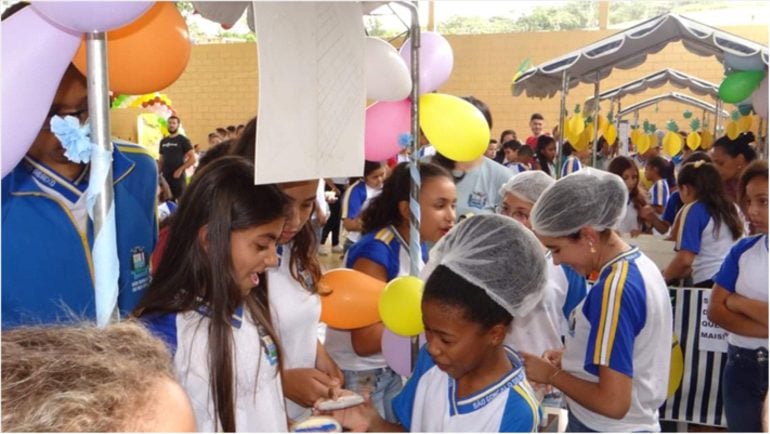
x: 746, y: 83
x: 454, y: 126
x: 148, y: 49
x: 353, y: 300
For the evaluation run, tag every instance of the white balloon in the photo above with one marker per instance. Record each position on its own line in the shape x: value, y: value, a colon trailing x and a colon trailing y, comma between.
x: 759, y: 99
x: 387, y: 77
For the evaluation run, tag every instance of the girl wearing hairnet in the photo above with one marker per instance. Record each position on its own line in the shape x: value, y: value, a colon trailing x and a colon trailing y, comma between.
x: 614, y: 368
x: 486, y: 271
x: 541, y: 329
x: 383, y: 253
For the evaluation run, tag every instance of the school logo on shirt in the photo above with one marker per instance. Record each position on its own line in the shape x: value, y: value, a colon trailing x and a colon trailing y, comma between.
x: 140, y: 271
x: 573, y: 321
x: 271, y: 351
x: 477, y: 199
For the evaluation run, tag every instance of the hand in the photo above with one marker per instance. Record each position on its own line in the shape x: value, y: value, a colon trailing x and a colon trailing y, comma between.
x: 357, y: 419
x: 178, y: 172
x: 538, y: 369
x: 554, y: 357
x: 646, y: 212
x: 306, y: 386
x: 635, y: 233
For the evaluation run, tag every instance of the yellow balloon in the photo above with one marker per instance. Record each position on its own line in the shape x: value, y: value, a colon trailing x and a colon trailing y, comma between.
x: 454, y: 126
x: 706, y: 139
x: 677, y: 367
x: 642, y: 143
x: 693, y: 140
x: 744, y: 123
x: 732, y: 130
x: 672, y: 143
x: 610, y: 134
x: 400, y: 306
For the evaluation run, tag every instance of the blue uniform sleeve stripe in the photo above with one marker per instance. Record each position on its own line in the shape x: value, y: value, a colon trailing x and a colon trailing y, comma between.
x: 522, y: 411
x: 728, y: 272
x: 693, y: 220
x: 403, y: 403
x: 577, y: 287
x: 163, y: 326
x: 610, y: 313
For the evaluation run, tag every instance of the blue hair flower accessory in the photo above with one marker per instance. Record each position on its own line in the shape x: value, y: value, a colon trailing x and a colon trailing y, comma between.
x: 74, y: 138
x: 404, y: 140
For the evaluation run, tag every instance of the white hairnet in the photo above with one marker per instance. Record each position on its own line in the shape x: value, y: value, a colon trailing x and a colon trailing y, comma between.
x: 588, y: 197
x: 527, y: 185
x: 497, y: 254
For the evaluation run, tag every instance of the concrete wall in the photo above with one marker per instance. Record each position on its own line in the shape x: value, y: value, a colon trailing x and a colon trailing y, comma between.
x: 220, y: 85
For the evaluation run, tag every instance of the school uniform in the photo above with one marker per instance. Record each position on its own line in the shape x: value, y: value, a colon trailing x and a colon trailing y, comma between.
x: 516, y: 167
x: 744, y: 380
x: 353, y: 202
x: 259, y: 402
x: 429, y: 401
x: 673, y: 205
x: 630, y: 220
x: 571, y: 165
x: 659, y: 193
x: 624, y: 323
x: 696, y: 235
x: 295, y: 313
x: 48, y: 270
x: 371, y: 374
x: 544, y: 326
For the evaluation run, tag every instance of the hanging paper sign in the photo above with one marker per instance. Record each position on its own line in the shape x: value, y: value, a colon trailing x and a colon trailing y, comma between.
x: 711, y: 337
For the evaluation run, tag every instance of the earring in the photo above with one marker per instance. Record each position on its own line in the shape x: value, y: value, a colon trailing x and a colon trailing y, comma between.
x: 591, y: 245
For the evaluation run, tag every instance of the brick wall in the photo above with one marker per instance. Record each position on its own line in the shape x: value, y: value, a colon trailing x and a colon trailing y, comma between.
x: 219, y: 86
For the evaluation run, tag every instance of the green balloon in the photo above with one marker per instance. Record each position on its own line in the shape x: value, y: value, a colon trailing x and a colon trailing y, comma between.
x: 738, y: 86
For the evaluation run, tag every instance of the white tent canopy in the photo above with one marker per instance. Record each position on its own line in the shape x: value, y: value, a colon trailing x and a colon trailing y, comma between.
x: 629, y: 49
x: 655, y: 80
x: 672, y: 96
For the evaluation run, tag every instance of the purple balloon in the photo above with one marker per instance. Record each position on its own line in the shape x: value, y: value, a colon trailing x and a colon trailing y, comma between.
x: 92, y: 16
x: 385, y: 121
x: 397, y: 351
x: 35, y: 54
x: 436, y: 60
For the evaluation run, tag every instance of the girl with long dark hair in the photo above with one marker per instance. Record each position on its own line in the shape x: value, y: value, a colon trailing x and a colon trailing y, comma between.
x: 631, y: 222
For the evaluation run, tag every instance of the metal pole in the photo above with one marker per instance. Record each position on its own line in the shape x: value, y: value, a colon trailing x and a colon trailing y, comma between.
x: 563, y: 108
x: 596, y: 122
x: 415, y: 252
x: 717, y: 118
x: 101, y: 201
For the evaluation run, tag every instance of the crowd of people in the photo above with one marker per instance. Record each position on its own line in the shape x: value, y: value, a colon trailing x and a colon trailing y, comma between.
x: 224, y: 300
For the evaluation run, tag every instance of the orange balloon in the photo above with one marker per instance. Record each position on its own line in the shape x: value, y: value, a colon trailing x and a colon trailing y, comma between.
x: 353, y: 301
x: 147, y: 55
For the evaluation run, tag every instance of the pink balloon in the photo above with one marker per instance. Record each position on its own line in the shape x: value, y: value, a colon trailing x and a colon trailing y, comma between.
x: 436, y: 60
x: 385, y: 121
x: 92, y: 16
x: 759, y: 99
x: 397, y: 351
x: 35, y: 54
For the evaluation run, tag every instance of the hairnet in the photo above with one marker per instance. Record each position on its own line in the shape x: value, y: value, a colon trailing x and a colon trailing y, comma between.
x: 527, y: 185
x: 588, y: 197
x: 497, y: 254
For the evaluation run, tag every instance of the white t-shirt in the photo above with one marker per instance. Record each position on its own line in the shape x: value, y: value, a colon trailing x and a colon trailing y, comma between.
x: 295, y: 314
x: 696, y: 235
x: 543, y: 327
x: 478, y: 192
x: 624, y: 323
x: 259, y: 403
x: 630, y: 221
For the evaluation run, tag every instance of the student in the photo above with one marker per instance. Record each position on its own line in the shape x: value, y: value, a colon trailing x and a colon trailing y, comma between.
x: 575, y: 159
x: 383, y: 253
x: 708, y: 225
x: 510, y: 148
x: 83, y: 378
x: 663, y: 223
x: 738, y: 304
x: 543, y: 328
x: 465, y: 378
x: 614, y: 367
x: 505, y: 136
x: 730, y: 158
x: 357, y: 196
x: 536, y: 124
x: 657, y: 171
x: 491, y: 151
x: 524, y: 159
x: 545, y: 154
x: 308, y: 371
x: 630, y: 223
x: 208, y: 299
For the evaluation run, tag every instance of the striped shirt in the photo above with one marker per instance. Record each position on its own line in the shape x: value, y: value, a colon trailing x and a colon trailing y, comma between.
x: 571, y: 165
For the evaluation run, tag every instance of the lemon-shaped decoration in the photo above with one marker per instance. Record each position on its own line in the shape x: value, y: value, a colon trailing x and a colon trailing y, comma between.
x: 575, y: 124
x: 603, y: 124
x: 744, y: 123
x: 636, y: 133
x: 732, y: 131
x: 642, y: 144
x: 610, y: 134
x: 693, y: 140
x: 672, y: 143
x: 677, y: 367
x: 707, y: 139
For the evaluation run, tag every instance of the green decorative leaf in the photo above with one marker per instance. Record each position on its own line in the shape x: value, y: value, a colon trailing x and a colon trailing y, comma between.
x: 577, y: 108
x: 610, y: 117
x: 653, y: 128
x: 646, y: 126
x: 687, y: 114
x: 695, y: 124
x: 735, y: 115
x: 590, y: 120
x: 672, y: 126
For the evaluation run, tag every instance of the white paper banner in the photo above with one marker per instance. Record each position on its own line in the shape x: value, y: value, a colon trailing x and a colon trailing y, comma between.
x: 623, y: 136
x: 312, y: 94
x: 712, y: 337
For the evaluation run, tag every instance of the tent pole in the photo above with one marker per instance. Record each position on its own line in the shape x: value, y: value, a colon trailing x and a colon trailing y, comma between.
x: 596, y: 122
x: 563, y: 109
x: 717, y: 118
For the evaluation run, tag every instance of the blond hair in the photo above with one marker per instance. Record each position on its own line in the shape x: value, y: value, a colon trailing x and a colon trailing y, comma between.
x: 80, y: 378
